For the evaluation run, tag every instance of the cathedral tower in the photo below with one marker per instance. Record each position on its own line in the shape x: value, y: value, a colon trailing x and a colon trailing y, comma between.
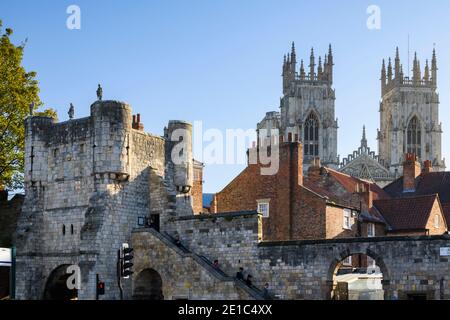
x: 307, y: 107
x: 409, y: 114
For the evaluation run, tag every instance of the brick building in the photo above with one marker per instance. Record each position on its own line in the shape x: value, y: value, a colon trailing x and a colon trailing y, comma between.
x: 327, y: 204
x: 419, y: 201
x: 323, y: 205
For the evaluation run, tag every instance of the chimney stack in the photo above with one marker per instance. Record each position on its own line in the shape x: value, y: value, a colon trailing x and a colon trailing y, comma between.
x: 363, y: 189
x: 411, y: 170
x: 137, y: 125
x: 427, y: 167
x: 315, y: 167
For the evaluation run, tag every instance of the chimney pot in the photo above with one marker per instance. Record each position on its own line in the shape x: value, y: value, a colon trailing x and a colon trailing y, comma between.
x: 428, y: 166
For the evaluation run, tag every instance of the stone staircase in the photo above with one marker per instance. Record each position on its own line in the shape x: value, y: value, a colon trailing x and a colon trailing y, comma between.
x: 203, y: 262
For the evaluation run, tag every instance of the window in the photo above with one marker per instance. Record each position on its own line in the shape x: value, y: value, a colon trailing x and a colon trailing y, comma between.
x: 263, y: 208
x: 347, y: 261
x: 414, y: 137
x: 64, y: 230
x: 82, y: 146
x: 347, y: 219
x: 371, y: 230
x: 311, y: 139
x: 437, y: 222
x: 71, y: 229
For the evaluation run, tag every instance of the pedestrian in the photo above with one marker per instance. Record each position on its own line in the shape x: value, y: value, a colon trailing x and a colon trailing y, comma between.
x: 216, y: 264
x: 240, y: 274
x: 249, y: 280
x: 177, y: 240
x: 266, y: 293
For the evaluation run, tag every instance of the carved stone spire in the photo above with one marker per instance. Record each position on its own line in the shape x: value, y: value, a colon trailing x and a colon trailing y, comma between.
x: 389, y: 72
x: 434, y: 69
x: 426, y: 76
x: 397, y: 64
x: 312, y: 65
x: 364, y: 139
x: 383, y: 77
x: 302, y: 71
x: 320, y: 70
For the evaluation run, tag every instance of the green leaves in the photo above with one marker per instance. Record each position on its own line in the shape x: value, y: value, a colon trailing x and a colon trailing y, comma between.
x: 18, y: 89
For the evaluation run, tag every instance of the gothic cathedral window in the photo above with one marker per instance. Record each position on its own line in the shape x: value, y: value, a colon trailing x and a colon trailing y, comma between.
x: 311, y: 137
x: 414, y: 137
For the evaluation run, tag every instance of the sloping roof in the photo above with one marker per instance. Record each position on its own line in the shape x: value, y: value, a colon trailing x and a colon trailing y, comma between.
x: 407, y: 213
x: 446, y: 209
x: 350, y: 184
x: 340, y: 188
x: 426, y: 184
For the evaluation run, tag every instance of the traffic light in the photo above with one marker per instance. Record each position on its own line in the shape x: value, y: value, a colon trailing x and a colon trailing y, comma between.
x: 101, y: 288
x: 126, y: 263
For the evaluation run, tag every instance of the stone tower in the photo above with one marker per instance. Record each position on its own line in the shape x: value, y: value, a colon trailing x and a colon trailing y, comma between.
x: 409, y: 114
x: 89, y: 183
x: 307, y: 107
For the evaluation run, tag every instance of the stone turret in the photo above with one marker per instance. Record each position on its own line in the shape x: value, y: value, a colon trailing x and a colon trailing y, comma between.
x: 179, y: 135
x: 111, y: 124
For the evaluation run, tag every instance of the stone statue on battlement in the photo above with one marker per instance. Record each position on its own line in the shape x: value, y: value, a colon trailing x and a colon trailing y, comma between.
x: 99, y: 92
x: 71, y: 112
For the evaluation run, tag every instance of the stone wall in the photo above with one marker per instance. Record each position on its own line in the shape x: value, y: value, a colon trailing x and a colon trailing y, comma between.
x: 306, y: 269
x: 183, y: 277
x: 87, y: 182
x: 230, y: 238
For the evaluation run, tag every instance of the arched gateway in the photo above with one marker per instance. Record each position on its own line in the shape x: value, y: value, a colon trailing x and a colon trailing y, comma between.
x: 148, y: 286
x: 56, y: 286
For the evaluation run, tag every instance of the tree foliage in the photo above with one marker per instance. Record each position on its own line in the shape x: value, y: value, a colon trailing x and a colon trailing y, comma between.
x: 18, y: 90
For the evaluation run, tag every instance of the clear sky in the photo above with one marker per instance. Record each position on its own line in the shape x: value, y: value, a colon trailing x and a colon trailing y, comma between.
x: 219, y: 61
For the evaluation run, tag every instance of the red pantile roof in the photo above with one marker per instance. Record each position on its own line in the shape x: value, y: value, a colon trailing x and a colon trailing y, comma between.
x: 407, y: 213
x: 340, y: 189
x: 426, y: 184
x: 350, y: 184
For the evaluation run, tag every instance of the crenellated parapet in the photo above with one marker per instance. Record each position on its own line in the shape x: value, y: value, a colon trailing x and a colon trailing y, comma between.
x: 394, y: 76
x: 319, y: 73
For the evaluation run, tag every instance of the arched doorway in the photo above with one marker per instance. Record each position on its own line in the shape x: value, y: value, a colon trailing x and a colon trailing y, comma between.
x: 359, y: 276
x: 56, y: 286
x: 148, y: 286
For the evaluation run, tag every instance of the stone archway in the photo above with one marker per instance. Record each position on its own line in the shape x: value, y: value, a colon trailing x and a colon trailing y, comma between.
x: 336, y: 263
x: 56, y: 285
x: 148, y: 285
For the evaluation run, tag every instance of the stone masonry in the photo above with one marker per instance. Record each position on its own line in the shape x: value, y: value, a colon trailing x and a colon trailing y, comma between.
x: 87, y: 182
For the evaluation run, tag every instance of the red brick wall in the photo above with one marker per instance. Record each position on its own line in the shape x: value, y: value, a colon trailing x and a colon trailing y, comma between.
x: 335, y: 224
x: 309, y: 216
x: 293, y: 209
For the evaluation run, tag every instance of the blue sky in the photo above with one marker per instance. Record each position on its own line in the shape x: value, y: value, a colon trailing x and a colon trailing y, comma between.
x: 219, y: 61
